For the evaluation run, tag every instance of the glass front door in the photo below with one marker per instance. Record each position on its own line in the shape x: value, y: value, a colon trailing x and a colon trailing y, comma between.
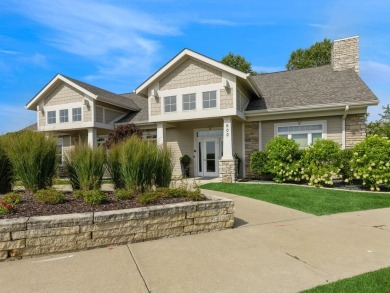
x: 208, y: 157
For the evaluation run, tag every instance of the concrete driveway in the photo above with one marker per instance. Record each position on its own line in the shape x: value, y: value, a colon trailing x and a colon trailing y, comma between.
x: 271, y: 249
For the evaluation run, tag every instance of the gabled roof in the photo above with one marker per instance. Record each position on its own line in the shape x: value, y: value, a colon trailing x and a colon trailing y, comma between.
x: 141, y: 90
x: 90, y: 90
x: 141, y: 115
x: 310, y: 87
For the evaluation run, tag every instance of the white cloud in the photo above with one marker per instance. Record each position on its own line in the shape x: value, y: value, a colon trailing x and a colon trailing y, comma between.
x: 118, y: 40
x: 218, y: 22
x: 9, y: 52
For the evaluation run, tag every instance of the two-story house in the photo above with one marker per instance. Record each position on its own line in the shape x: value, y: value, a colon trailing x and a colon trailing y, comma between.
x: 200, y: 107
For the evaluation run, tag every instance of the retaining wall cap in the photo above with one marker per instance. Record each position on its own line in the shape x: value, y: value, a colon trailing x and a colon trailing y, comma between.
x: 60, y: 220
x: 7, y: 225
x: 120, y: 215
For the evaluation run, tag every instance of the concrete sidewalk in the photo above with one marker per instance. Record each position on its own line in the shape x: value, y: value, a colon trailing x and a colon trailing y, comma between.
x: 271, y: 249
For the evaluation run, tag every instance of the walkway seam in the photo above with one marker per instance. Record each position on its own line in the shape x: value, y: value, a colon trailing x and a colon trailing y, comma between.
x: 139, y: 271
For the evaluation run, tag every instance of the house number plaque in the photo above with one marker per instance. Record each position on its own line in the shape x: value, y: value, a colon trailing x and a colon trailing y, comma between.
x: 227, y: 129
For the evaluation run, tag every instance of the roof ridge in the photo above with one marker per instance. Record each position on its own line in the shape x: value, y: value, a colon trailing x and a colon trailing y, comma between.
x: 294, y: 70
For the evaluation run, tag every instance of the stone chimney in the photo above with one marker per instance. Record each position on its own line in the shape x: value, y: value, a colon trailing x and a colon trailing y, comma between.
x: 345, y: 54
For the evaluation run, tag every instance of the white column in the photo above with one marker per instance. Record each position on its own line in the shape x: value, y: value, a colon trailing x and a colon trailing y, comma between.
x: 227, y: 138
x: 92, y: 137
x: 343, y: 132
x: 161, y: 134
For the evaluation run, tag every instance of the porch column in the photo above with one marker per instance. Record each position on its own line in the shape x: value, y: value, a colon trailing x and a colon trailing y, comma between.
x: 161, y: 134
x: 227, y: 138
x: 228, y: 168
x: 92, y: 137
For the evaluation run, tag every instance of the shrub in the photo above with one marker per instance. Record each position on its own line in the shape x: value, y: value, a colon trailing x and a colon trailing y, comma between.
x: 283, y: 159
x: 49, y: 196
x: 33, y: 158
x: 86, y: 167
x: 196, y: 195
x: 78, y: 193
x: 94, y: 197
x: 122, y: 133
x: 122, y: 194
x: 9, y: 202
x: 147, y: 198
x: 321, y: 162
x: 259, y: 163
x: 114, y: 166
x: 5, y: 171
x: 346, y: 156
x: 370, y: 163
x: 143, y: 164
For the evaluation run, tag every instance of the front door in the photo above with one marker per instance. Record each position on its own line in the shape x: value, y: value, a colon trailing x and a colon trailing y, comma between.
x: 208, y: 157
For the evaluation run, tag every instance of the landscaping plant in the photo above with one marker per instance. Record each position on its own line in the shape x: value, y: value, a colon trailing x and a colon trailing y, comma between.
x: 5, y: 171
x: 9, y: 202
x: 259, y: 163
x: 114, y: 166
x: 123, y: 194
x: 370, y: 163
x: 33, y: 158
x: 86, y: 167
x: 320, y: 162
x: 94, y: 197
x: 49, y: 196
x: 122, y: 133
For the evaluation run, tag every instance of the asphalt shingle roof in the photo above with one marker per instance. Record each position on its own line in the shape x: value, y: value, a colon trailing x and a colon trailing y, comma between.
x: 310, y: 86
x: 106, y: 96
x: 136, y: 116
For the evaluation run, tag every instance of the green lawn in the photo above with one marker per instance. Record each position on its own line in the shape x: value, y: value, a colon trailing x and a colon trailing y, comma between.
x: 315, y: 201
x: 373, y: 282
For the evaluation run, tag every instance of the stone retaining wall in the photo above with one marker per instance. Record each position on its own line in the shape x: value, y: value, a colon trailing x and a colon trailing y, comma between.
x: 35, y: 236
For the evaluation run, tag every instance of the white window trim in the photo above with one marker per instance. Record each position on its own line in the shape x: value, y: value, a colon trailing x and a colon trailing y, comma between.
x: 60, y: 141
x: 216, y: 100
x: 59, y: 116
x: 176, y: 104
x: 68, y: 107
x: 182, y: 101
x: 47, y: 115
x: 81, y: 108
x: 309, y: 132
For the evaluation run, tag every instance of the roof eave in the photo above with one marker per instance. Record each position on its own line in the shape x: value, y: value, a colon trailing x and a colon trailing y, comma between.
x: 321, y: 107
x: 186, y: 52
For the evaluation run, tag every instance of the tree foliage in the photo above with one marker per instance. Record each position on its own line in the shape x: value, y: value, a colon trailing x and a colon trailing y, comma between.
x: 317, y: 55
x: 237, y: 62
x: 381, y: 127
x: 122, y: 133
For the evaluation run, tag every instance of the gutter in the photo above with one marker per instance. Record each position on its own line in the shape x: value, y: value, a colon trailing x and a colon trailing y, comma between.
x: 343, y: 136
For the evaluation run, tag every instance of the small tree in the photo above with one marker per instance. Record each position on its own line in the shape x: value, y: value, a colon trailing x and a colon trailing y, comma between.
x: 381, y: 127
x: 237, y: 62
x: 317, y: 55
x: 122, y: 133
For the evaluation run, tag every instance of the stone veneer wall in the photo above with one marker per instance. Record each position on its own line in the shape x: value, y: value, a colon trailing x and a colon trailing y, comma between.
x: 251, y: 144
x: 355, y: 129
x: 228, y: 170
x: 345, y: 54
x: 35, y: 236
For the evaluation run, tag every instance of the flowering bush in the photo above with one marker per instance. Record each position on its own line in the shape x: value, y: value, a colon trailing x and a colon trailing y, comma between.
x: 8, y: 202
x: 283, y: 159
x: 321, y: 162
x: 370, y: 163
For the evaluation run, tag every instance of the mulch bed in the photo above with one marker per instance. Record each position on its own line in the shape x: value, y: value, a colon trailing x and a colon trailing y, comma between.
x: 30, y: 207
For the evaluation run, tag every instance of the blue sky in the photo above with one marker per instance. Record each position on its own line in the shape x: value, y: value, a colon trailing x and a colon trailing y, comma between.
x: 118, y: 44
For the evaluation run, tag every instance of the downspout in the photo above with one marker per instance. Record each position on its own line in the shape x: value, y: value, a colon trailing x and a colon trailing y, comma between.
x: 343, y: 136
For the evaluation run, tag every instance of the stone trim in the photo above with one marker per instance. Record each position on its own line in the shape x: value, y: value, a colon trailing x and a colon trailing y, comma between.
x: 228, y: 170
x: 37, y: 236
x: 251, y: 144
x: 355, y: 129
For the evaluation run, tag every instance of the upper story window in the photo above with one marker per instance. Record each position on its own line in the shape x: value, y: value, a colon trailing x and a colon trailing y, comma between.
x: 170, y: 104
x: 51, y: 117
x: 76, y: 114
x: 304, y: 135
x: 189, y: 102
x: 64, y: 117
x: 209, y: 100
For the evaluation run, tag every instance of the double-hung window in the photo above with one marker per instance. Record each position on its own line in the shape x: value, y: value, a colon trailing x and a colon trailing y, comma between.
x: 64, y: 117
x: 304, y: 135
x: 209, y: 100
x: 189, y: 102
x: 51, y: 117
x: 76, y: 114
x: 170, y: 104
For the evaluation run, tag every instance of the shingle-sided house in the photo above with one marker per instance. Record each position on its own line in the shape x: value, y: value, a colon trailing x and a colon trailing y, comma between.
x: 209, y: 111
